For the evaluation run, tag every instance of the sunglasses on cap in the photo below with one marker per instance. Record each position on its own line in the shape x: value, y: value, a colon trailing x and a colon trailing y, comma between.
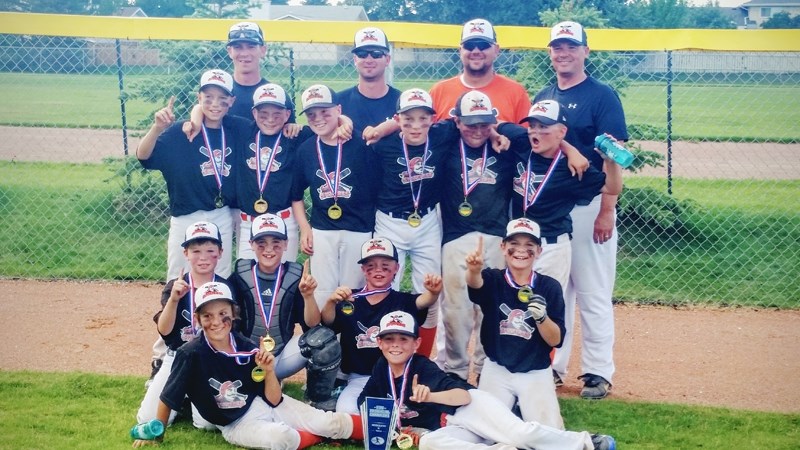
x: 472, y: 45
x: 376, y: 54
x: 245, y: 35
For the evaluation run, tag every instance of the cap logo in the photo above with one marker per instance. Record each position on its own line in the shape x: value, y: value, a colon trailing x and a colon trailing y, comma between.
x: 267, y: 223
x: 565, y: 29
x: 539, y: 108
x: 212, y: 290
x: 416, y: 95
x: 375, y: 245
x: 396, y: 321
x: 523, y: 224
x: 369, y: 35
x: 477, y: 105
x: 200, y: 229
x: 477, y: 27
x: 314, y: 93
x: 268, y: 93
x: 216, y: 76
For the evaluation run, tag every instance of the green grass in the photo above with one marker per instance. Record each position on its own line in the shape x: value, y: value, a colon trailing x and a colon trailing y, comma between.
x: 87, y: 411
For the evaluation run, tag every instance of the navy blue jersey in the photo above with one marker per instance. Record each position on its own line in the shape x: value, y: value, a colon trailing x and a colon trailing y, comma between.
x: 188, y: 170
x: 278, y: 187
x: 560, y: 193
x: 221, y: 388
x: 395, y: 194
x: 508, y: 331
x: 489, y: 199
x: 243, y: 106
x: 422, y: 415
x: 365, y: 111
x: 182, y: 331
x: 356, y: 192
x: 359, y: 328
x: 593, y: 108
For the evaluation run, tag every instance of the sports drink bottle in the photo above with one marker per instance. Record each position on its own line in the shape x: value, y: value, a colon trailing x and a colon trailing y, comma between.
x: 613, y: 150
x: 148, y: 430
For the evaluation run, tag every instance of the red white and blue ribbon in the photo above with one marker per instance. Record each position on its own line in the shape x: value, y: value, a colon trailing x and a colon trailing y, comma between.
x: 399, y: 402
x: 514, y: 285
x: 527, y: 202
x: 237, y: 355
x: 262, y: 174
x: 333, y: 185
x: 275, y: 288
x: 218, y: 170
x: 470, y: 186
x: 415, y: 197
x: 365, y: 293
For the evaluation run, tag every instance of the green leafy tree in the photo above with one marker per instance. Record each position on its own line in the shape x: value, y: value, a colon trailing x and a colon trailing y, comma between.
x: 505, y: 12
x: 164, y: 8
x: 781, y: 20
x: 85, y: 7
x: 315, y: 2
x: 709, y: 16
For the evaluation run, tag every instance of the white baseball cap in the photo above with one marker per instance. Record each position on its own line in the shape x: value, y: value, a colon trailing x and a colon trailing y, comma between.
x: 219, y: 78
x: 268, y: 225
x: 398, y: 322
x: 246, y: 32
x: 478, y: 29
x: 370, y: 38
x: 525, y: 226
x: 415, y: 98
x: 201, y: 230
x: 377, y: 247
x: 548, y: 112
x: 317, y: 96
x: 270, y: 94
x: 211, y: 291
x: 474, y: 107
x: 568, y: 31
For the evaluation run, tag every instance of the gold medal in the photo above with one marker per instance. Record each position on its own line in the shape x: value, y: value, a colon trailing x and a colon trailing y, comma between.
x: 218, y: 202
x: 524, y: 294
x: 260, y: 206
x: 348, y: 307
x: 404, y: 441
x: 335, y: 212
x: 415, y: 219
x: 267, y: 343
x: 258, y: 374
x: 465, y: 209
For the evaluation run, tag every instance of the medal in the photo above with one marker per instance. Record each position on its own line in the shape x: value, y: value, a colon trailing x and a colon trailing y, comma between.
x: 348, y: 307
x: 260, y: 206
x: 258, y: 374
x: 465, y: 209
x: 335, y: 212
x: 218, y: 202
x: 404, y: 441
x: 415, y: 220
x: 267, y: 343
x: 524, y: 294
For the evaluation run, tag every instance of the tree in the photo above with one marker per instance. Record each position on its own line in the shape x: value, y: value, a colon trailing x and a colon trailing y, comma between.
x: 709, y: 16
x: 221, y: 9
x: 164, y: 8
x: 505, y: 12
x: 315, y: 2
x: 781, y: 20
x: 85, y: 7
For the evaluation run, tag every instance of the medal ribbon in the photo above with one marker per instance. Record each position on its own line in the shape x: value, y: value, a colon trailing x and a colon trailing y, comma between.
x: 217, y: 169
x: 235, y: 354
x: 399, y: 403
x: 192, y: 290
x: 525, y: 202
x: 469, y: 187
x: 415, y: 198
x: 365, y: 293
x: 333, y: 186
x: 262, y: 175
x: 514, y: 285
x: 275, y: 288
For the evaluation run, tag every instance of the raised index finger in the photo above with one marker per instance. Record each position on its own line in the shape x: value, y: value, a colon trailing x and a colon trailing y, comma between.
x: 414, y: 381
x: 306, y: 268
x: 171, y: 103
x: 183, y: 271
x: 480, y: 244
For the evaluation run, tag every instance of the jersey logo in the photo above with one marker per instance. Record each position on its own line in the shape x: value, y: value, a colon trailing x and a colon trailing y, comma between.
x: 515, y: 324
x: 264, y: 155
x: 531, y: 180
x: 369, y: 337
x: 419, y: 171
x: 187, y: 332
x: 207, y: 169
x: 324, y: 191
x: 572, y: 105
x: 486, y: 176
x: 229, y: 396
x: 407, y: 413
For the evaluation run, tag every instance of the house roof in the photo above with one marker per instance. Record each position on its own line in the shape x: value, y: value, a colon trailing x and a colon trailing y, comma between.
x: 768, y: 3
x: 130, y: 11
x: 343, y: 13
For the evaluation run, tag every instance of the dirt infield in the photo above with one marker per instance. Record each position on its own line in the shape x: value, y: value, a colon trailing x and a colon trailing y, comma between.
x: 737, y: 358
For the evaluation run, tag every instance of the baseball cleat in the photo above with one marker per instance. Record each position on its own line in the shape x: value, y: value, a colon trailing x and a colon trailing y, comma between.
x: 595, y: 387
x: 603, y: 442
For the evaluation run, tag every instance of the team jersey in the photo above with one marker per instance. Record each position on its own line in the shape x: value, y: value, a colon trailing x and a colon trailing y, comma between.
x: 184, y: 330
x: 365, y: 111
x: 593, y: 108
x: 509, y: 97
x: 490, y: 175
x: 219, y: 386
x: 359, y: 328
x: 508, y: 332
x: 278, y: 182
x: 553, y: 196
x: 243, y: 106
x: 422, y: 415
x: 356, y: 189
x: 188, y: 169
x: 395, y: 194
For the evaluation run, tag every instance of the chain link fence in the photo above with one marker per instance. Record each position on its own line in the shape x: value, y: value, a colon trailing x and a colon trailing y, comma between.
x: 710, y: 216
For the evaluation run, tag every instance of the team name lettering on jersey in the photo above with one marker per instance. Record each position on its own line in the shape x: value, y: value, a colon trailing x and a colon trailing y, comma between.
x: 369, y: 337
x: 419, y: 170
x: 515, y: 324
x: 324, y: 191
x: 524, y: 178
x: 475, y: 166
x: 229, y: 396
x: 207, y: 169
x: 264, y: 155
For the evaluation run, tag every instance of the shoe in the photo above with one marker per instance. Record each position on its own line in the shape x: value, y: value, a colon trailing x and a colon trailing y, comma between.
x: 155, y: 365
x: 325, y: 405
x: 557, y: 379
x: 603, y: 442
x: 595, y: 387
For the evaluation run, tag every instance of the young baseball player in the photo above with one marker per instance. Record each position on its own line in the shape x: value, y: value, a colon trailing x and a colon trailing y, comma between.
x: 356, y: 314
x: 523, y: 320
x: 202, y: 248
x: 342, y: 182
x: 222, y: 373
x: 458, y: 415
x: 274, y: 296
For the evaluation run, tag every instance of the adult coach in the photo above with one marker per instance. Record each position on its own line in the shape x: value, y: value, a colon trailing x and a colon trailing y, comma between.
x: 478, y: 51
x: 372, y: 100
x: 594, y: 108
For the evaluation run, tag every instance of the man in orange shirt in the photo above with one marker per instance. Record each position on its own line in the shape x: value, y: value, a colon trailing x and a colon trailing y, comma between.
x: 478, y: 52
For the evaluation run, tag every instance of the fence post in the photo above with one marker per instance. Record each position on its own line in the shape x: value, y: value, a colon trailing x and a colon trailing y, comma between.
x: 669, y: 122
x: 118, y: 49
x: 291, y: 77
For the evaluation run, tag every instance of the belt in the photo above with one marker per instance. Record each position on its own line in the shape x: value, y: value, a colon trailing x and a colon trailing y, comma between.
x: 565, y: 237
x: 405, y: 214
x: 283, y: 214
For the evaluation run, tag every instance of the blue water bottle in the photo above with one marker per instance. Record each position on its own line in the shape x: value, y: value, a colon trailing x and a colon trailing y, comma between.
x: 613, y: 150
x: 148, y: 431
